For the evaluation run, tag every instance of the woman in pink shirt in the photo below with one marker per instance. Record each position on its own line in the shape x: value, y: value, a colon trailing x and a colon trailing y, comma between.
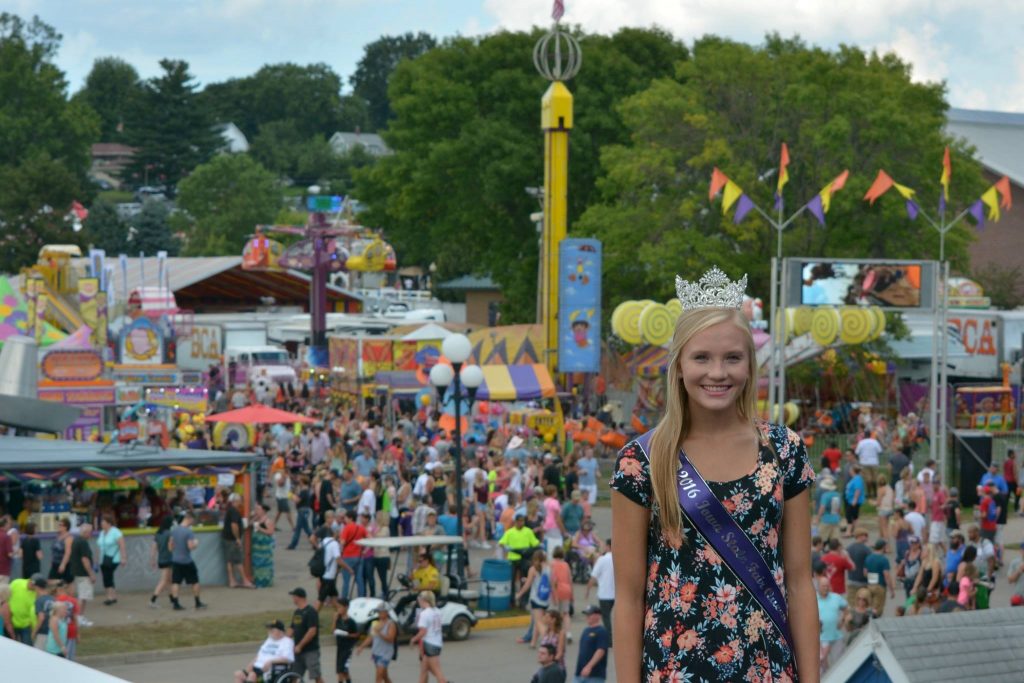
x: 554, y: 529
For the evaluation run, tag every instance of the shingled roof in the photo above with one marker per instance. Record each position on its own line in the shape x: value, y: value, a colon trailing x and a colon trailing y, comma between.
x: 979, y: 645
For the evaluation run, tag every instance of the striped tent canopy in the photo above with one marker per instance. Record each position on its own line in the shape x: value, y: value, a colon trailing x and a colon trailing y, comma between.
x: 516, y: 383
x: 507, y: 345
x: 647, y: 361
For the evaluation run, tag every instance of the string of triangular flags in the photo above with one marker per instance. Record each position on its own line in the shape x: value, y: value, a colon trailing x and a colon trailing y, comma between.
x: 733, y: 194
x: 995, y: 198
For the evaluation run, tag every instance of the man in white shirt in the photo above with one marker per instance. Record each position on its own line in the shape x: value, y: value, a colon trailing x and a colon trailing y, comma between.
x: 915, y: 519
x: 927, y: 471
x: 603, y: 576
x: 367, y: 504
x: 327, y: 590
x: 419, y: 489
x: 869, y: 453
x: 278, y: 648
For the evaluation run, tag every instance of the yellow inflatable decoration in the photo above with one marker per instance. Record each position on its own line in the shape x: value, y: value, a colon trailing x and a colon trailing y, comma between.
x: 792, y: 412
x: 656, y: 324
x: 675, y: 307
x: 857, y: 324
x: 803, y: 320
x: 824, y: 325
x: 626, y: 321
x: 244, y: 435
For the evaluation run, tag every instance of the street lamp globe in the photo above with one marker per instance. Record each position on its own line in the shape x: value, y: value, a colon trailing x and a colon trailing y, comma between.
x: 441, y: 375
x: 456, y: 348
x: 471, y: 376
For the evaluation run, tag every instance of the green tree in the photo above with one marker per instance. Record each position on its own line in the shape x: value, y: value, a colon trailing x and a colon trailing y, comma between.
x: 309, y: 97
x: 44, y: 143
x: 731, y: 106
x: 380, y: 58
x: 151, y: 231
x: 110, y: 89
x: 224, y: 200
x: 105, y: 229
x: 1003, y: 285
x: 467, y: 142
x: 172, y: 133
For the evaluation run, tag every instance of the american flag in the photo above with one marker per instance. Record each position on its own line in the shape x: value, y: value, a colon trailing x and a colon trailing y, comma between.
x: 558, y: 11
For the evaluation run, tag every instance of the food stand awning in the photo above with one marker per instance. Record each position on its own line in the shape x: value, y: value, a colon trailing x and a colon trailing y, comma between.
x: 399, y: 382
x: 516, y: 383
x: 25, y: 458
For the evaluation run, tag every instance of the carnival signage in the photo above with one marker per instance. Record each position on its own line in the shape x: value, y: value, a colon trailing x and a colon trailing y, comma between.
x: 72, y: 366
x: 141, y: 343
x: 579, y: 305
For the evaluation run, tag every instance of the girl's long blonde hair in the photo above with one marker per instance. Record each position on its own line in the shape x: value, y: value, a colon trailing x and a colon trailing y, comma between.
x: 674, y: 427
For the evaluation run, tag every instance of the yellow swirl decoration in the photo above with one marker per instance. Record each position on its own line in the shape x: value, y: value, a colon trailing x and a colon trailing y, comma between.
x: 245, y: 434
x: 825, y: 325
x: 802, y: 320
x: 675, y: 307
x: 856, y: 324
x: 627, y: 315
x: 656, y: 324
x: 879, y: 329
x: 784, y: 320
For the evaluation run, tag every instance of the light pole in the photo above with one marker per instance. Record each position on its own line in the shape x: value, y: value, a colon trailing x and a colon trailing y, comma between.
x: 456, y: 348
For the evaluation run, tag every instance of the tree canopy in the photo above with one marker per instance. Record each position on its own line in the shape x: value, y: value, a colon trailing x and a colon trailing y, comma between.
x: 44, y: 143
x: 110, y: 89
x: 172, y: 132
x: 732, y: 106
x: 225, y: 199
x: 467, y: 143
x: 379, y: 60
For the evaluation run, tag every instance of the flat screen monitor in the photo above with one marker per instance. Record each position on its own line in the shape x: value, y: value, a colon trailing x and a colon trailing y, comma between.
x: 895, y: 285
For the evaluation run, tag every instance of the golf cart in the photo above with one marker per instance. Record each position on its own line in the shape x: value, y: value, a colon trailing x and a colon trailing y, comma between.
x: 456, y: 617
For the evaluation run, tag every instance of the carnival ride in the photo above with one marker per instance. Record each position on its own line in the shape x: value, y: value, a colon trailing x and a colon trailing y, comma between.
x: 327, y: 245
x: 55, y: 279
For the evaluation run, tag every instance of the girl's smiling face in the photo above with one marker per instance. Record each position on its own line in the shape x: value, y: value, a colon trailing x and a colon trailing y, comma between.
x: 714, y: 367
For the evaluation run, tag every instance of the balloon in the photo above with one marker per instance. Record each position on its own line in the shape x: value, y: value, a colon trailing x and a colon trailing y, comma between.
x: 656, y: 324
x: 549, y: 437
x: 184, y: 418
x: 425, y: 400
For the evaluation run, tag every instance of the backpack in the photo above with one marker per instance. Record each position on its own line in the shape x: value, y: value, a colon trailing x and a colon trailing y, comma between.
x: 544, y: 588
x: 991, y: 514
x: 318, y: 563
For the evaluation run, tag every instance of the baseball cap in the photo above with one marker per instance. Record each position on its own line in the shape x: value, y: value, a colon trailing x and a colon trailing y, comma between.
x: 591, y: 609
x: 39, y: 580
x: 276, y: 623
x: 913, y: 539
x: 299, y: 592
x: 879, y: 544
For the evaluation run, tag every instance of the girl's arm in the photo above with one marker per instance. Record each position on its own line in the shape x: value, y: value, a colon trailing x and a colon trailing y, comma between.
x: 55, y: 630
x: 527, y: 583
x: 629, y: 557
x: 124, y: 550
x: 803, y: 604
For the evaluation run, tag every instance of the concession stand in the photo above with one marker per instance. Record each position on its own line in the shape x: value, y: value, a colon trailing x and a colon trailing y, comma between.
x: 44, y: 480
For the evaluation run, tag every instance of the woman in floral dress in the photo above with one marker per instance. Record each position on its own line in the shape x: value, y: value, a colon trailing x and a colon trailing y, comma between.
x: 680, y: 612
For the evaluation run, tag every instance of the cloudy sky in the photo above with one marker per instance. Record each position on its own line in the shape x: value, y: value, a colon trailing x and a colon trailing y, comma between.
x: 975, y: 47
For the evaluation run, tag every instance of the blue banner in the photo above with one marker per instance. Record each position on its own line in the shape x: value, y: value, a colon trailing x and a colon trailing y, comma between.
x: 579, y: 305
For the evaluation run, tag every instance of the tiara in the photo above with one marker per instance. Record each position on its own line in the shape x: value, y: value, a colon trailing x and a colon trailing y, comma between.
x: 714, y: 290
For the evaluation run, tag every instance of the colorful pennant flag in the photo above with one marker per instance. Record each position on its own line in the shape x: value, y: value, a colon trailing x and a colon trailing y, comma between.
x: 718, y: 181
x: 977, y: 210
x: 731, y: 194
x: 822, y: 202
x: 783, y: 176
x: 881, y: 185
x: 744, y: 206
x: 947, y: 174
x: 991, y: 199
x: 1003, y: 186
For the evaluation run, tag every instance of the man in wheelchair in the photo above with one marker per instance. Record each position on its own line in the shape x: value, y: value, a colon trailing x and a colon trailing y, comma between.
x: 273, y: 659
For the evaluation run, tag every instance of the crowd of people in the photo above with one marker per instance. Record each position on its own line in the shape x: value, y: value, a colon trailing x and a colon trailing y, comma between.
x: 926, y: 551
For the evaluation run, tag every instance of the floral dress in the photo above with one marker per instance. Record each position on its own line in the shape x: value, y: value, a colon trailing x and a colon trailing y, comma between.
x: 701, y: 624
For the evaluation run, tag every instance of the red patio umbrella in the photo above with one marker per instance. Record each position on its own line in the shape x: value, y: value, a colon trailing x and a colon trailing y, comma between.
x: 259, y: 414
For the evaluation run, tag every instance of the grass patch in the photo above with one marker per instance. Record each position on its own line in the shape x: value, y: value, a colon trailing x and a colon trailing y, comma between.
x: 116, y: 196
x: 165, y: 635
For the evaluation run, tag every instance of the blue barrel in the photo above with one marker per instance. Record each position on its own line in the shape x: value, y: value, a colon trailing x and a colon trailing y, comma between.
x: 496, y: 585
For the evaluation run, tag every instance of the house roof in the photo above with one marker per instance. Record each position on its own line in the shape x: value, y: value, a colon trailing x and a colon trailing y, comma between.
x: 371, y: 141
x: 111, y: 149
x: 470, y: 282
x: 939, y: 648
x: 998, y: 136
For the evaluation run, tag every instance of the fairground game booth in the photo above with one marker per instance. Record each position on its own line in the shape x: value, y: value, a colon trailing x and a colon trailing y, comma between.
x: 45, y: 480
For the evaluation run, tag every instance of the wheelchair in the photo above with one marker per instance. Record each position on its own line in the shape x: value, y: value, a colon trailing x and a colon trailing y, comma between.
x: 578, y: 565
x: 280, y: 673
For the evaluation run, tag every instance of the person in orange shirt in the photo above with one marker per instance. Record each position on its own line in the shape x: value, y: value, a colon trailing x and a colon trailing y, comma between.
x: 561, y: 584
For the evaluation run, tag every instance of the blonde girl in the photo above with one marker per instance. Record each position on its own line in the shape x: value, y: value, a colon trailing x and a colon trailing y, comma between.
x: 679, y: 611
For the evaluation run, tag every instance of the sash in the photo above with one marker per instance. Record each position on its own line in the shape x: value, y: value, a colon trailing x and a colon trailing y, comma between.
x: 710, y: 518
